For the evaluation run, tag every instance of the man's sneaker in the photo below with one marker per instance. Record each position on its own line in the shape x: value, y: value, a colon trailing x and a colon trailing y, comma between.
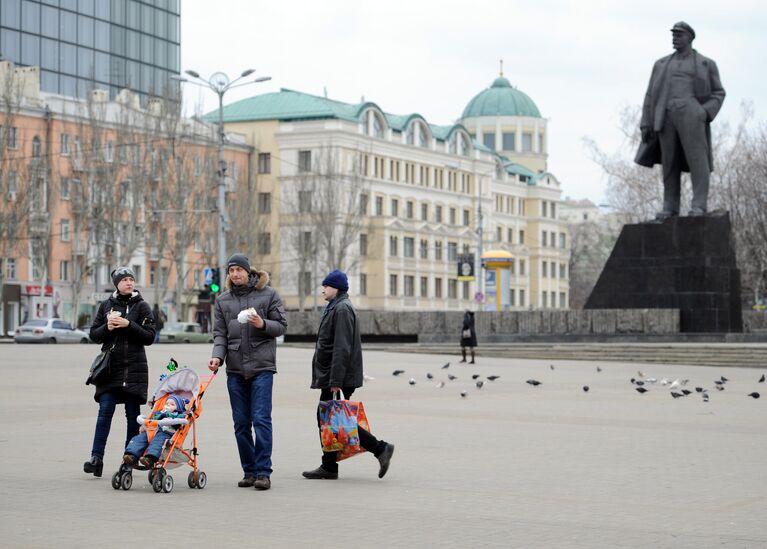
x: 129, y: 459
x: 94, y: 466
x: 262, y: 483
x: 148, y: 461
x: 384, y: 458
x: 247, y: 481
x: 319, y: 472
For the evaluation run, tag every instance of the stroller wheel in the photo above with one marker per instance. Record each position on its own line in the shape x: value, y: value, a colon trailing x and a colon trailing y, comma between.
x: 157, y: 482
x: 190, y: 480
x: 116, y: 481
x: 150, y: 474
x: 126, y: 481
x: 202, y: 480
x: 167, y: 484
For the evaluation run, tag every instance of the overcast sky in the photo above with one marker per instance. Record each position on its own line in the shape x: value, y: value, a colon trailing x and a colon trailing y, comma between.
x: 581, y: 62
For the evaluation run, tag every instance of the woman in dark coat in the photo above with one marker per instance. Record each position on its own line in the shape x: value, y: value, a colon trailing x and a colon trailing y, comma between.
x: 125, y: 324
x: 468, y: 335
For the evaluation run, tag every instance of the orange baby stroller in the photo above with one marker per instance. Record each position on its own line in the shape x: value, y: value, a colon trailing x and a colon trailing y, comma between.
x: 185, y: 383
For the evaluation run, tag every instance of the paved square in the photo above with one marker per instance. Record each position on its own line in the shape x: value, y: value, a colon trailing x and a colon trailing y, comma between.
x: 510, y: 465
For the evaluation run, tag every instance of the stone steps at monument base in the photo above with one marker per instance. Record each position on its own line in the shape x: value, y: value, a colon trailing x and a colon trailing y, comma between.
x: 733, y: 356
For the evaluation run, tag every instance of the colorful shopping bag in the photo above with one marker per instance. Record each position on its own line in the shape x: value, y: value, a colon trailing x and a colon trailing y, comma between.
x: 339, y: 427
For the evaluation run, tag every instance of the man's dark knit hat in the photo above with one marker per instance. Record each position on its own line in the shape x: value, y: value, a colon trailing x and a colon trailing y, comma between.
x: 337, y: 279
x: 240, y: 260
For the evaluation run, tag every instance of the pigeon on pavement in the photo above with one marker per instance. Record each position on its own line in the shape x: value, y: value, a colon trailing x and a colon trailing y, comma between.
x: 429, y: 376
x: 446, y: 366
x: 397, y: 372
x: 411, y: 381
x: 533, y: 382
x: 761, y: 379
x: 451, y: 377
x: 641, y: 390
x: 585, y: 388
x: 493, y: 378
x: 754, y: 394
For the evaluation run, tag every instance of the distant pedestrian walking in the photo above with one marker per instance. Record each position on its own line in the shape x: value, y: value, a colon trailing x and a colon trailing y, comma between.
x: 468, y: 336
x: 159, y: 322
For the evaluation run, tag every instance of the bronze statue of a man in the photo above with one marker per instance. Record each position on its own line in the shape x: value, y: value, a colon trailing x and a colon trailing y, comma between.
x: 683, y: 97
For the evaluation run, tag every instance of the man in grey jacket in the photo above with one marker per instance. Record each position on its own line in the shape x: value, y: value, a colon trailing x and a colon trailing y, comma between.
x: 337, y: 367
x: 250, y: 350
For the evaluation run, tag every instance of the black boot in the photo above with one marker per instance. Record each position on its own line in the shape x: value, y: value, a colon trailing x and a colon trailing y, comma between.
x: 472, y: 357
x: 94, y: 466
x: 463, y: 353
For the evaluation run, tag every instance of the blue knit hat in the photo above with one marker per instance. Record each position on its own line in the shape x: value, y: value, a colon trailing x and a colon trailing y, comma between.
x: 337, y: 279
x: 180, y: 403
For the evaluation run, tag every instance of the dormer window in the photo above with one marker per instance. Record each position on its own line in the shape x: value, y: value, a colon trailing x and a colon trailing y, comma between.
x: 373, y: 124
x: 417, y: 133
x: 459, y: 144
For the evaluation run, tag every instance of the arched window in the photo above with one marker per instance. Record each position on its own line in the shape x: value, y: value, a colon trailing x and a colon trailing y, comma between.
x: 459, y: 144
x: 373, y: 123
x: 463, y: 144
x: 418, y: 133
x: 35, y: 147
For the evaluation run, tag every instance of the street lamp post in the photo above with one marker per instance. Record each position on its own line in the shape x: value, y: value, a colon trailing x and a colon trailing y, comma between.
x: 480, y: 229
x: 219, y: 83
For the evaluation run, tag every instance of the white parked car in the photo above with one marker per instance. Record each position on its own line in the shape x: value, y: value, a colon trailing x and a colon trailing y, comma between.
x: 49, y: 330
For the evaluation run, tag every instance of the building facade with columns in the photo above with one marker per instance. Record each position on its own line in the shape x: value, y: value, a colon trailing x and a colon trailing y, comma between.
x: 395, y: 200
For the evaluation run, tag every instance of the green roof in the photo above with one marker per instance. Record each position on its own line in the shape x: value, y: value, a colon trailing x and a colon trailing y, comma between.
x: 287, y: 105
x: 501, y: 99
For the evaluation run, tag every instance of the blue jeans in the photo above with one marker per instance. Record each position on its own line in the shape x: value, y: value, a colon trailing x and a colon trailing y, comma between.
x: 139, y: 443
x: 251, y: 401
x: 107, y: 405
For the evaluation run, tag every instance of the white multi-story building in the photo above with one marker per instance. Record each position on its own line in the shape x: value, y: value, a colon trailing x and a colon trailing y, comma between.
x: 395, y: 200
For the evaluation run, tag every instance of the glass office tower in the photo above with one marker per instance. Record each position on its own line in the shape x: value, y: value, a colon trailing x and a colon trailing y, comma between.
x: 107, y: 44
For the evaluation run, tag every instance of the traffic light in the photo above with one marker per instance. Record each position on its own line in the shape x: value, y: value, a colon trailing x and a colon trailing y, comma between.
x: 215, y: 281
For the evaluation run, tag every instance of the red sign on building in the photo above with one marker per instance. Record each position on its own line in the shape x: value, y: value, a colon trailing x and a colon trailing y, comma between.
x: 38, y: 290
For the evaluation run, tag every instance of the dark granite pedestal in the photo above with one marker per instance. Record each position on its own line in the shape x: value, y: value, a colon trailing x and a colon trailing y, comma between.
x: 685, y: 263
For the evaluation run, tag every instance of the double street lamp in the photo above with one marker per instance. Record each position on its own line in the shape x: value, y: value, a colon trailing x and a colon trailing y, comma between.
x: 220, y: 84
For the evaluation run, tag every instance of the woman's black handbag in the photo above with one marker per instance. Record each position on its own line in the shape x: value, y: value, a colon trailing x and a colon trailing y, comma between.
x: 100, y: 366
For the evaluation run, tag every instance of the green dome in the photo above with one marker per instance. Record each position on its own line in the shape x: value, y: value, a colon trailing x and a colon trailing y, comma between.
x: 501, y: 99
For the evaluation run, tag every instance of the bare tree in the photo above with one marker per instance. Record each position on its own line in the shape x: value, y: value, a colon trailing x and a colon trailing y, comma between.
x: 324, y: 215
x: 15, y: 198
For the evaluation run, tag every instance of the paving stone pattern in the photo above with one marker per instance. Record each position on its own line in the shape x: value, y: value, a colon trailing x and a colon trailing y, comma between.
x: 510, y: 465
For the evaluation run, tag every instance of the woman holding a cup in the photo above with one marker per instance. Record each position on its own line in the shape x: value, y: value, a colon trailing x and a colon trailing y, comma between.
x: 124, y: 325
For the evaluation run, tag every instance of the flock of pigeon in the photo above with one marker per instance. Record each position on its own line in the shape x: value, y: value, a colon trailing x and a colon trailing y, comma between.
x: 479, y: 383
x: 677, y: 387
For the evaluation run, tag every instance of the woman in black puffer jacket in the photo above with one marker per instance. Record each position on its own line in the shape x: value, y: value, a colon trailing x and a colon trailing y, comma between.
x: 124, y: 323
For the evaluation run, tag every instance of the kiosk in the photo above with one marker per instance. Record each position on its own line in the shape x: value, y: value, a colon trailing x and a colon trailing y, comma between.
x: 497, y: 272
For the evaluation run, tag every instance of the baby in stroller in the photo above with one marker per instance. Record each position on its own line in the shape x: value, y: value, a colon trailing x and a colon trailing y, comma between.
x: 176, y: 406
x: 169, y: 419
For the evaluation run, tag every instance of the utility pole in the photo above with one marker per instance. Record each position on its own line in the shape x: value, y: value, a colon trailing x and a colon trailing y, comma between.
x: 220, y: 84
